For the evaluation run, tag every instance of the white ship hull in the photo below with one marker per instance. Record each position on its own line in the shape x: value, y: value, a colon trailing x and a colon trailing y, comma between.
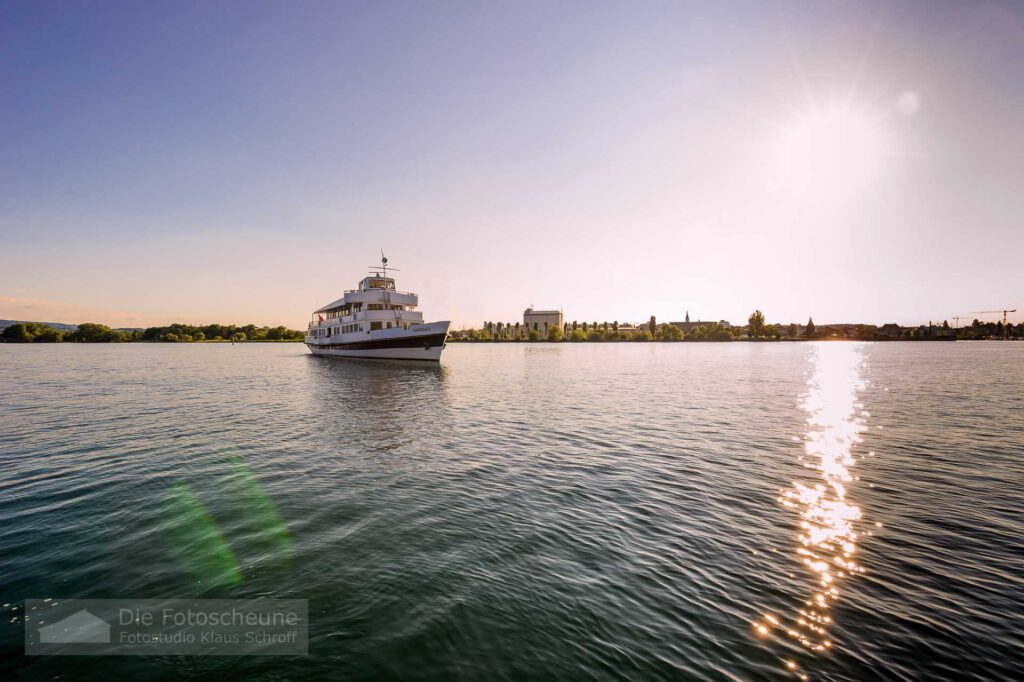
x: 421, y: 342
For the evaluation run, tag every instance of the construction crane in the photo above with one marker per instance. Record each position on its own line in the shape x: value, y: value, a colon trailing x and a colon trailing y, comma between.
x: 1006, y: 330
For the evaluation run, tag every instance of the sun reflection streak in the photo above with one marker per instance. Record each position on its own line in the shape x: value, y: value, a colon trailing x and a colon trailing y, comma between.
x: 827, y: 537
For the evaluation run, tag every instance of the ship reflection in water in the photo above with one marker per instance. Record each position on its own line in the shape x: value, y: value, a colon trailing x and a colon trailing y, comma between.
x: 827, y: 539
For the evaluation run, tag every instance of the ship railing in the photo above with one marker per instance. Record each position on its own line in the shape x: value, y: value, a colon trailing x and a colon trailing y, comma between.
x: 390, y: 291
x: 371, y: 315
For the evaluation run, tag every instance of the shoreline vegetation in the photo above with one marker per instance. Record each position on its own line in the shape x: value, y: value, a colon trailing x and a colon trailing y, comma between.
x: 497, y: 332
x: 756, y: 329
x: 90, y: 332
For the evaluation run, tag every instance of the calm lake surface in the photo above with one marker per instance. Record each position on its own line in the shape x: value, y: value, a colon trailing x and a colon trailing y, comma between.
x: 737, y: 511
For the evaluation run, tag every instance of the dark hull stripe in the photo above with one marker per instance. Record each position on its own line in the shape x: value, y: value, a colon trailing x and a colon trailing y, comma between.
x: 422, y: 341
x: 374, y: 357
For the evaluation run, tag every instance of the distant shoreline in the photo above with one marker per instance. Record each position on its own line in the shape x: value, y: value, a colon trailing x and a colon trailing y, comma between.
x: 755, y: 330
x: 91, y: 332
x: 735, y: 340
x: 87, y: 332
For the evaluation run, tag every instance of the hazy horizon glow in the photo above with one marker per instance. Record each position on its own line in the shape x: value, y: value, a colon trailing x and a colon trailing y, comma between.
x: 228, y: 162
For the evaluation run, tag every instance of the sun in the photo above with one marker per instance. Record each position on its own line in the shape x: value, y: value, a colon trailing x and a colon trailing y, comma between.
x: 831, y: 155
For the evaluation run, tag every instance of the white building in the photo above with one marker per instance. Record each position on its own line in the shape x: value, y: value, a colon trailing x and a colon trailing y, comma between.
x: 541, y: 320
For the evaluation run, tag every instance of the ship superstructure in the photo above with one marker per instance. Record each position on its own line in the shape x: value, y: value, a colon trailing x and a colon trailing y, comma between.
x: 376, y: 321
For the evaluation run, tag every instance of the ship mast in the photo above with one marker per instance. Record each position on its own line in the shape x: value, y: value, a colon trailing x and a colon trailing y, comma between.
x: 387, y: 295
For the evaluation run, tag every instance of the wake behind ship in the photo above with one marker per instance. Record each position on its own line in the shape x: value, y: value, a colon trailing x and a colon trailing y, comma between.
x: 376, y: 321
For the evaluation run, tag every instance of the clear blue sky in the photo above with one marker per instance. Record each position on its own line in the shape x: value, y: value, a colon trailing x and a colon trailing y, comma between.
x: 244, y: 162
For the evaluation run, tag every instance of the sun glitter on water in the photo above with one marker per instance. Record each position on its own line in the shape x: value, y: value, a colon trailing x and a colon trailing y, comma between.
x: 827, y: 540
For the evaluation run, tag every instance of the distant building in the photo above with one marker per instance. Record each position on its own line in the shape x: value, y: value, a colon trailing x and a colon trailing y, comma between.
x: 889, y: 331
x: 543, y: 319
x: 687, y: 326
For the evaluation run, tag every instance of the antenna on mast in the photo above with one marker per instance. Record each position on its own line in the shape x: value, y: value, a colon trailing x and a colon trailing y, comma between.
x: 387, y: 294
x: 384, y: 265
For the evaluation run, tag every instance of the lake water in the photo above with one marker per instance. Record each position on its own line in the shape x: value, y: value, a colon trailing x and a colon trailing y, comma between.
x: 838, y: 511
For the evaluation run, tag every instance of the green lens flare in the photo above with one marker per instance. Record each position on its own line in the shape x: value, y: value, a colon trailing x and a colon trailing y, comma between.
x: 197, y: 543
x: 261, y: 514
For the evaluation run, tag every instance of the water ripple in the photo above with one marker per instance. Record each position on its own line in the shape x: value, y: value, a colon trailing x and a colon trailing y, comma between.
x: 595, y: 511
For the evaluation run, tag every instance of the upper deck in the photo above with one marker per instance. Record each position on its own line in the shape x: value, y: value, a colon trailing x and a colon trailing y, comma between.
x: 377, y: 282
x: 373, y: 289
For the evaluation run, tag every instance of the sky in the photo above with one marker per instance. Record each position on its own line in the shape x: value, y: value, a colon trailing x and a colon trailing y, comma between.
x: 245, y: 162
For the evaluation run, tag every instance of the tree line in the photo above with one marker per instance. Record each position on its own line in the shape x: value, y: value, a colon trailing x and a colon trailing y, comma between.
x: 91, y: 332
x: 991, y: 330
x: 590, y: 332
x: 756, y: 329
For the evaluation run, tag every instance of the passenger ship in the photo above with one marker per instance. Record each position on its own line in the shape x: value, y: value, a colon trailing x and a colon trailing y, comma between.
x: 376, y: 321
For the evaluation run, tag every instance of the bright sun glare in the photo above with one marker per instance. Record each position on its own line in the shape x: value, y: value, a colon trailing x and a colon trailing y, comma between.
x: 832, y: 154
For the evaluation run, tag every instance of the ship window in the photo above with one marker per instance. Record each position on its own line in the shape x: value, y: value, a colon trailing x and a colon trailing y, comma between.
x: 374, y: 325
x: 375, y: 306
x: 389, y: 325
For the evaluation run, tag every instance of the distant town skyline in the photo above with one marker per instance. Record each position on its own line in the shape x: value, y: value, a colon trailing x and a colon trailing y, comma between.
x: 236, y: 163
